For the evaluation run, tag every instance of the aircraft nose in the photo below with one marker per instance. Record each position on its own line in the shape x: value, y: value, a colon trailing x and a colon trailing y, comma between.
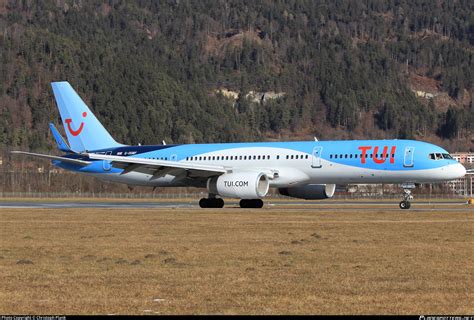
x: 458, y: 171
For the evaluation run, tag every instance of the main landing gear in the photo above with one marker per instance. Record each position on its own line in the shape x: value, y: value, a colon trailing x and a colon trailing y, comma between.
x: 211, y: 202
x: 405, y: 204
x: 251, y: 203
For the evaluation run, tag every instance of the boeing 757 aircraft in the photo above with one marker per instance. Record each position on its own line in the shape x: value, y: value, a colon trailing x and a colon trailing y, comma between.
x: 305, y: 169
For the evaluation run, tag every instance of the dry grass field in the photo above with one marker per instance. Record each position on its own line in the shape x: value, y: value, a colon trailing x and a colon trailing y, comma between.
x: 276, y: 260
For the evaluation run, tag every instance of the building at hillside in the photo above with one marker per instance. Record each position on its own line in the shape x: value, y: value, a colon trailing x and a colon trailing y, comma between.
x: 464, y: 186
x: 466, y: 158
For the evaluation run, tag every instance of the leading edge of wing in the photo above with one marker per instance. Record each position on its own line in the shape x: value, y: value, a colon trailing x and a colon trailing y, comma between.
x: 50, y: 157
x: 159, y: 163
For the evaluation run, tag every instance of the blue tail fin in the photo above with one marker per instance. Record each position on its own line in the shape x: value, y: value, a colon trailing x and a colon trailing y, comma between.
x: 62, y: 145
x: 84, y: 132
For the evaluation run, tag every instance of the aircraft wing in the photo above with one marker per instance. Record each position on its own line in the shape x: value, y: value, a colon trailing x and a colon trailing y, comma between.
x: 50, y: 157
x: 159, y: 168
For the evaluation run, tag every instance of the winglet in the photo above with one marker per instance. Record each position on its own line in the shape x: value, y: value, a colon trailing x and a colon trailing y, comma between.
x: 62, y: 145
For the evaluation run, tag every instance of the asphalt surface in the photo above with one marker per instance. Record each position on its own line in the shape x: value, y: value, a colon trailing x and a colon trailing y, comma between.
x: 279, y: 205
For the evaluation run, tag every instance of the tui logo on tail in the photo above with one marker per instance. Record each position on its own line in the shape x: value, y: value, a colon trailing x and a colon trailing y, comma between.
x: 75, y: 133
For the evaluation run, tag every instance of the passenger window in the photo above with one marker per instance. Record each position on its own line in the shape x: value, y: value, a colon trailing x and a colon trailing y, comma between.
x: 287, y: 156
x: 278, y: 157
x: 292, y: 156
x: 307, y: 157
x: 330, y: 157
x: 258, y: 158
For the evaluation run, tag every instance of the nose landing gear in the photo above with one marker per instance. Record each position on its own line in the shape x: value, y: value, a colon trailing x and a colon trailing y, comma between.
x: 405, y: 203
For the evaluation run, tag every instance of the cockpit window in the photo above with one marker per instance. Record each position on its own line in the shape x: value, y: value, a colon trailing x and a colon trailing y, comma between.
x: 440, y: 156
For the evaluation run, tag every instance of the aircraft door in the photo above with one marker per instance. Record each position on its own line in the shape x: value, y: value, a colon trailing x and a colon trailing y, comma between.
x: 408, y: 158
x: 317, y: 157
x: 106, y: 163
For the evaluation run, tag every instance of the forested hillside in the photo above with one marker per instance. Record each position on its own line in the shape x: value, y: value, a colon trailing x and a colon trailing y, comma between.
x: 154, y: 70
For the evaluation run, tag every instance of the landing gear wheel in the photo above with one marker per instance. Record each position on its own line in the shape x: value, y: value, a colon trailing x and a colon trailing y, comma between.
x: 251, y: 203
x: 203, y: 203
x: 211, y: 203
x: 407, y: 187
x: 405, y: 205
x: 219, y: 203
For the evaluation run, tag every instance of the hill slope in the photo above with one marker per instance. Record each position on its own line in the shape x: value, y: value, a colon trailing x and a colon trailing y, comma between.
x: 150, y: 69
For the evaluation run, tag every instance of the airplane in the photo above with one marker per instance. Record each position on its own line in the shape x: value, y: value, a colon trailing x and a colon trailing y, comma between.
x: 300, y: 169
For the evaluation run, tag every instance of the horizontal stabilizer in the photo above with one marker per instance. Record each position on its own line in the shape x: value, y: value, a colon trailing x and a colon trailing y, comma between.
x: 50, y: 157
x: 62, y: 145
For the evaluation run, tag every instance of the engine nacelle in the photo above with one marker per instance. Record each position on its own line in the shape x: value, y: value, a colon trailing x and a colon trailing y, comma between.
x: 310, y: 191
x: 242, y: 185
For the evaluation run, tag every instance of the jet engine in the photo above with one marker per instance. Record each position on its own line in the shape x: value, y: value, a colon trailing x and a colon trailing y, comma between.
x: 310, y: 191
x: 242, y: 185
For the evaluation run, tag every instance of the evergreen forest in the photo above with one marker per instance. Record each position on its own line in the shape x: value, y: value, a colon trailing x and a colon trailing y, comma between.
x: 223, y: 71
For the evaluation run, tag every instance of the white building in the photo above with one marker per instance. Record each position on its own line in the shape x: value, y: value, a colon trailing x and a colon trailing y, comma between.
x: 463, y: 186
x: 464, y: 157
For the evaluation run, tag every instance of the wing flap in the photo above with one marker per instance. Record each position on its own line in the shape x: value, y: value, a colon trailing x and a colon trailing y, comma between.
x: 146, y: 165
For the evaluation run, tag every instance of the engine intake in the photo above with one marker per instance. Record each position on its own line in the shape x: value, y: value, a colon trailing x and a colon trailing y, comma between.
x: 310, y: 191
x: 242, y: 185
